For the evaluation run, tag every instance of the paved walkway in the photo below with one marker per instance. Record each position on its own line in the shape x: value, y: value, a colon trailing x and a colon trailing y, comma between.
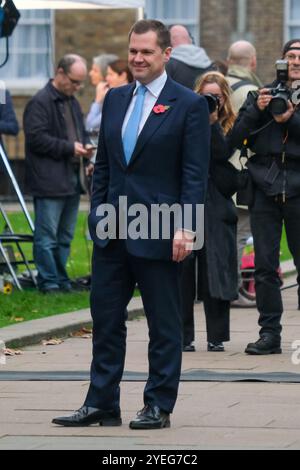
x: 208, y: 415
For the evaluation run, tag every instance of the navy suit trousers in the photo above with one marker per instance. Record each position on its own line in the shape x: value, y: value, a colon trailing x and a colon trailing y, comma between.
x: 115, y: 274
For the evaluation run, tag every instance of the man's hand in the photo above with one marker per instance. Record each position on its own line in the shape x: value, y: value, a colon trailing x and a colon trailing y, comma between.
x: 89, y: 170
x: 80, y: 151
x: 285, y: 116
x: 263, y: 99
x: 182, y: 245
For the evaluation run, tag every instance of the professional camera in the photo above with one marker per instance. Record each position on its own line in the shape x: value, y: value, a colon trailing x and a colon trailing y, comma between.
x: 212, y: 101
x: 281, y: 94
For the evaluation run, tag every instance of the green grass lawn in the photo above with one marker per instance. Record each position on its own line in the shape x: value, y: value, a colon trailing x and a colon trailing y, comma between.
x: 30, y: 304
x: 79, y: 261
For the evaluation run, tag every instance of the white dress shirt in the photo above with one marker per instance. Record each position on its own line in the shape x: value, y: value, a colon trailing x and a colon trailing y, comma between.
x: 153, y: 91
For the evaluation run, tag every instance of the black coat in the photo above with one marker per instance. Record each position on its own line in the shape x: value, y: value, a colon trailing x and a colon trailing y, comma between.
x: 220, y: 224
x: 183, y: 73
x: 272, y: 173
x: 49, y: 153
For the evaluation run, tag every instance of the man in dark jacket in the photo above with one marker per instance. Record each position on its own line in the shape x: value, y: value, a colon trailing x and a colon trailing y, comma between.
x: 275, y: 172
x: 55, y: 145
x: 187, y: 61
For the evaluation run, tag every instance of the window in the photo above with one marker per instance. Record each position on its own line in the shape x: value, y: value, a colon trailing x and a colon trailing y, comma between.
x: 185, y: 12
x: 292, y: 19
x: 30, y: 51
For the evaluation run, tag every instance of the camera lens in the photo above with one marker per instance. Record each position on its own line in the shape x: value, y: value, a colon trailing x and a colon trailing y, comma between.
x: 212, y: 101
x: 278, y: 104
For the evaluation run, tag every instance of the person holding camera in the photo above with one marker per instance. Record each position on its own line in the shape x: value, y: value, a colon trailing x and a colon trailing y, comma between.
x: 270, y: 122
x: 217, y: 261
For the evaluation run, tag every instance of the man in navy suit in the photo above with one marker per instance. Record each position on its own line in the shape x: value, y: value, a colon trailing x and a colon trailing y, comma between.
x: 153, y: 149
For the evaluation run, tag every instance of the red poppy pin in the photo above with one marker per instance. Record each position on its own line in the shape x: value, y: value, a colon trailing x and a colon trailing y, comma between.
x: 160, y: 108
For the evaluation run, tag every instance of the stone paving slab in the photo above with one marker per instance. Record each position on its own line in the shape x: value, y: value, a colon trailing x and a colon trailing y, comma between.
x: 208, y: 415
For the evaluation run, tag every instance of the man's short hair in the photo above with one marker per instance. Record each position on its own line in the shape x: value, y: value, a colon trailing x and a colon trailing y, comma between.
x: 66, y: 62
x: 288, y: 45
x: 162, y: 32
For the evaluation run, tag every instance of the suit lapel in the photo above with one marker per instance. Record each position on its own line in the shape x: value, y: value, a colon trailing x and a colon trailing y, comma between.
x: 167, y: 97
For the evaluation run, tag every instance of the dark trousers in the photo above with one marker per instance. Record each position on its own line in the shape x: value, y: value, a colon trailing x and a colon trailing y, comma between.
x: 267, y: 217
x: 188, y: 288
x: 217, y: 311
x: 114, y: 276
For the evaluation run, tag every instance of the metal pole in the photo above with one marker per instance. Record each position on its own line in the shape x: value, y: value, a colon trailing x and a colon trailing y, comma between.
x: 16, y: 187
x: 242, y: 17
x: 140, y: 14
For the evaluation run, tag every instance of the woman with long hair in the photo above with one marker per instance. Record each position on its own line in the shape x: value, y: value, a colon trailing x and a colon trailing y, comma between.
x: 217, y: 260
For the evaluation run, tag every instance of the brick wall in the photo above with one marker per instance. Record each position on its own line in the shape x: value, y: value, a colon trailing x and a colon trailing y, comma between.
x: 217, y: 20
x: 90, y: 33
x: 264, y: 23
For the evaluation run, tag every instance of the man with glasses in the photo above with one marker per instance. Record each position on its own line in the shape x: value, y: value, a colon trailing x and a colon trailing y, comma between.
x: 56, y: 145
x: 275, y: 171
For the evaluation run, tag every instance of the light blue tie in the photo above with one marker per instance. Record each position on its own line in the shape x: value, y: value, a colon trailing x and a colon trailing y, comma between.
x: 131, y: 132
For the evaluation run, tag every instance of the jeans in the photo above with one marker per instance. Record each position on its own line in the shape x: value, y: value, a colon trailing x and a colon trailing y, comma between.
x: 55, y: 220
x: 267, y: 218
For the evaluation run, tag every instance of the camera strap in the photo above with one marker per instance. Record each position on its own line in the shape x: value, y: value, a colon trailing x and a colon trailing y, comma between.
x: 244, y: 153
x: 240, y: 83
x: 284, y: 141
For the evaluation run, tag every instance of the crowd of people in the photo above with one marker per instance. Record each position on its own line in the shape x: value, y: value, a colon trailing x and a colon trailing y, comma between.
x: 171, y: 124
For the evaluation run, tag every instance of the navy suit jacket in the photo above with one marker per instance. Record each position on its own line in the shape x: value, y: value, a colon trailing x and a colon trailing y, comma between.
x: 169, y: 163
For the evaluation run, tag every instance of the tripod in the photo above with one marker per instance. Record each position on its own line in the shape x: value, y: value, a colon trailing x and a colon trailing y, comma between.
x: 10, y: 236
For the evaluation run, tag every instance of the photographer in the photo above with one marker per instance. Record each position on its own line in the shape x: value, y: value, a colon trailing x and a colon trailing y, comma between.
x: 270, y: 122
x: 217, y: 261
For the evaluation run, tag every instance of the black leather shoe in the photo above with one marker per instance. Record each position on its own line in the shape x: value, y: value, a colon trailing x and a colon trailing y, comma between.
x: 264, y: 345
x: 188, y: 348
x: 150, y: 417
x: 87, y: 415
x: 216, y: 347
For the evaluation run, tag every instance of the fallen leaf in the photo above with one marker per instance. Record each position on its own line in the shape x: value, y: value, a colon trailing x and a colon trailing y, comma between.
x: 83, y: 333
x: 51, y: 342
x: 87, y: 330
x: 12, y: 352
x: 19, y: 319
